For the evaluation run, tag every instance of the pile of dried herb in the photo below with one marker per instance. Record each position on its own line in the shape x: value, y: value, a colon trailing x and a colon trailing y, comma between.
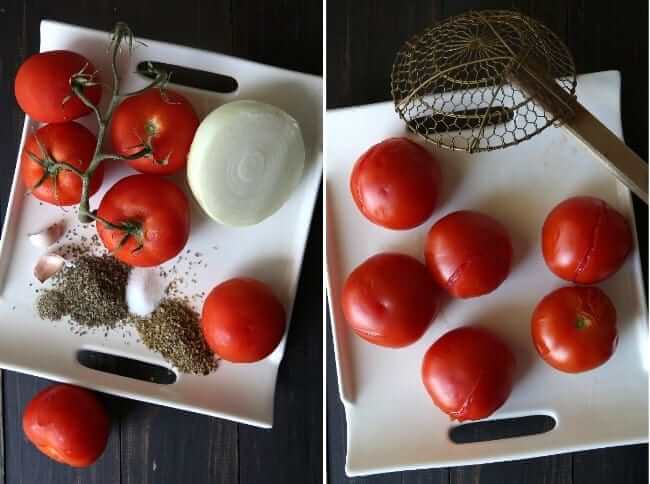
x: 173, y: 331
x: 90, y: 292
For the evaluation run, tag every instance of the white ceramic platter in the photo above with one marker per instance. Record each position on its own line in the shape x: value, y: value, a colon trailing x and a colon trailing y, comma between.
x: 391, y: 423
x: 271, y: 251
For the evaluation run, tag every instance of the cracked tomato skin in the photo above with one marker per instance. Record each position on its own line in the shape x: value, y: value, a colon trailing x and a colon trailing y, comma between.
x: 396, y: 184
x: 574, y: 328
x: 158, y: 206
x: 43, y: 83
x: 468, y: 253
x: 68, y: 424
x: 71, y: 143
x: 165, y: 116
x: 242, y: 320
x: 584, y: 240
x: 390, y: 300
x: 468, y: 373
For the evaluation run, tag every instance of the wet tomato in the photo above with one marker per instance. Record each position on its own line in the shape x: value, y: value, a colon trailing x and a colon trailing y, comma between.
x: 390, y: 300
x: 468, y: 373
x: 396, y: 184
x: 468, y: 253
x: 584, y: 240
x: 574, y: 328
x: 242, y: 320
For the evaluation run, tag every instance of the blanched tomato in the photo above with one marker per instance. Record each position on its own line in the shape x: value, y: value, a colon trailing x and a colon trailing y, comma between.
x: 396, y: 184
x: 574, y: 328
x: 163, y: 118
x: 69, y: 143
x: 584, y: 240
x: 390, y: 300
x: 468, y: 253
x: 42, y: 86
x: 68, y: 424
x: 468, y: 373
x: 242, y: 320
x: 151, y: 216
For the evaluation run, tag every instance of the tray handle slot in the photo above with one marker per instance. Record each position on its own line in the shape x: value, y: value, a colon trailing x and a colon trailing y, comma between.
x: 502, y: 429
x: 128, y: 367
x: 186, y: 76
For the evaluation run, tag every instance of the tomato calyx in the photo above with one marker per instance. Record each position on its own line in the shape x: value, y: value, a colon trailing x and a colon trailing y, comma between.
x: 129, y: 229
x: 79, y: 81
x: 583, y: 320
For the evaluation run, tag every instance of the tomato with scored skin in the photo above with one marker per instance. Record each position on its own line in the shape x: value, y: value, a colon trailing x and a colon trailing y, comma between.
x: 584, y: 240
x: 242, y: 320
x: 574, y: 328
x: 163, y: 116
x: 468, y: 373
x: 390, y: 300
x: 152, y: 211
x: 396, y: 184
x: 42, y: 86
x: 68, y: 424
x: 468, y: 253
x: 71, y: 143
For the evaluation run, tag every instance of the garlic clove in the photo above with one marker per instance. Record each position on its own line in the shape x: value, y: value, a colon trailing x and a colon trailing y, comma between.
x: 48, y: 265
x: 48, y: 236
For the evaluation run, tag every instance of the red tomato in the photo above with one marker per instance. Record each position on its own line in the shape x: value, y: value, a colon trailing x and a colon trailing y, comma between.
x: 166, y: 119
x: 468, y: 373
x: 68, y: 424
x: 584, y: 240
x: 574, y: 328
x: 42, y: 86
x: 390, y: 300
x: 396, y: 184
x: 242, y: 320
x: 66, y: 142
x: 468, y: 253
x: 154, y: 213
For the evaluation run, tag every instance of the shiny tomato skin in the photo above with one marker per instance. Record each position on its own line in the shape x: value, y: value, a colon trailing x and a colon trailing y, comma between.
x: 68, y: 424
x: 166, y: 116
x: 390, y: 300
x: 158, y: 206
x: 468, y: 253
x: 574, y: 328
x: 468, y: 373
x: 71, y: 143
x: 242, y: 320
x: 396, y: 184
x: 43, y: 82
x: 584, y: 240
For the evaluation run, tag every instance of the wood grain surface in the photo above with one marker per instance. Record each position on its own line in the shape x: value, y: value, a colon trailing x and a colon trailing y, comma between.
x: 362, y: 39
x: 148, y: 443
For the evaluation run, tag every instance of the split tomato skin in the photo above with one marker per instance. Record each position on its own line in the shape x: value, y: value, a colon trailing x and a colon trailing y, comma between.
x: 42, y: 86
x: 584, y: 240
x: 163, y: 116
x: 390, y: 300
x: 468, y: 373
x: 68, y: 424
x: 396, y: 184
x: 157, y: 207
x: 71, y: 143
x: 468, y: 253
x: 574, y: 328
x: 242, y: 320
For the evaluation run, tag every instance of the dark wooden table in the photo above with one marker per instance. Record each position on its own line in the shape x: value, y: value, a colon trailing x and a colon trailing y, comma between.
x: 151, y: 444
x: 362, y: 39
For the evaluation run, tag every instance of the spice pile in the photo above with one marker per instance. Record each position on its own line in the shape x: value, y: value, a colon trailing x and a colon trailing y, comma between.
x: 91, y: 293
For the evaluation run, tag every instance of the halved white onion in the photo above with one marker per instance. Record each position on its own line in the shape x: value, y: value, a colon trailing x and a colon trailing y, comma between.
x: 246, y: 159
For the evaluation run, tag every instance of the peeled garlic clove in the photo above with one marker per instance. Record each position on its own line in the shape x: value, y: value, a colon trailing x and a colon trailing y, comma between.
x: 144, y: 291
x: 48, y: 236
x: 47, y: 266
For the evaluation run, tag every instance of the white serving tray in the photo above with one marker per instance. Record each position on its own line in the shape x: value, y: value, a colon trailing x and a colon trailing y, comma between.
x: 271, y: 251
x: 392, y: 424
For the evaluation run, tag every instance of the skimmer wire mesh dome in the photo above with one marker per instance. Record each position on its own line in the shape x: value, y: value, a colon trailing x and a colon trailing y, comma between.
x: 456, y: 83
